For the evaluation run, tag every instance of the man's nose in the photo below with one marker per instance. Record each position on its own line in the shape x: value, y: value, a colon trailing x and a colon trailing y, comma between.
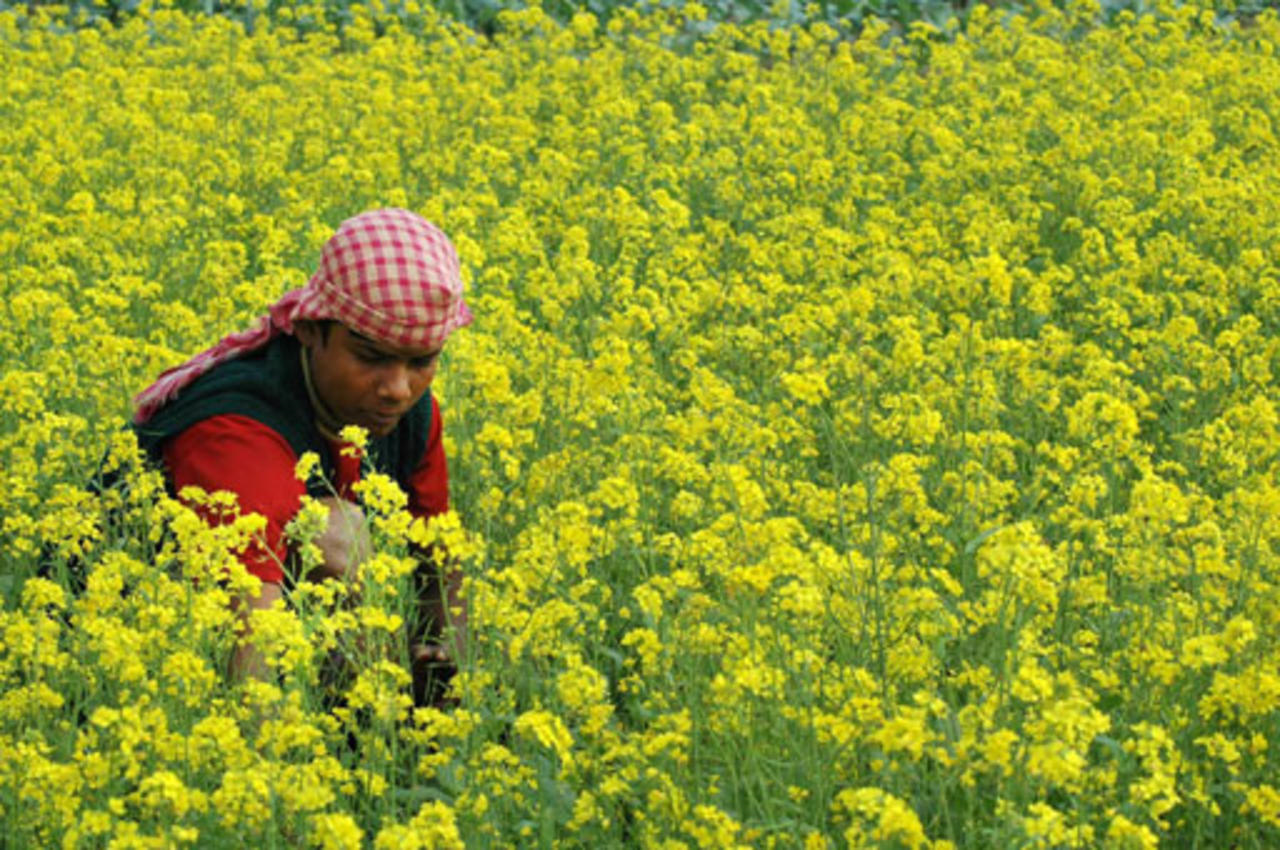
x: 396, y: 385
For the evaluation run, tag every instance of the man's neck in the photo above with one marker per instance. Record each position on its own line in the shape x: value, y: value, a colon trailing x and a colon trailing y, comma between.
x: 326, y: 422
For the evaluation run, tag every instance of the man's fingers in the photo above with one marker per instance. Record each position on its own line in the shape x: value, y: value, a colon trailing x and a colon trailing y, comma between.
x: 432, y: 669
x: 429, y: 653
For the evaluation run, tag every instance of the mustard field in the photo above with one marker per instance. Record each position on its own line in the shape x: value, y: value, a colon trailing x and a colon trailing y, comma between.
x: 860, y: 442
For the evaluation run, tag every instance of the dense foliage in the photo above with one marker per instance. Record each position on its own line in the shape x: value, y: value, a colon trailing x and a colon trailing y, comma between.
x: 865, y: 442
x: 847, y: 17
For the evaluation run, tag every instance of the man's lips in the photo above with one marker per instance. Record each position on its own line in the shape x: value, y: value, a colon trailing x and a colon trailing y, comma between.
x: 383, y: 420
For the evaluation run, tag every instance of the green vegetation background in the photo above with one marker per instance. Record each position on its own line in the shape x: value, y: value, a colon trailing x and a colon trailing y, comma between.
x: 846, y: 16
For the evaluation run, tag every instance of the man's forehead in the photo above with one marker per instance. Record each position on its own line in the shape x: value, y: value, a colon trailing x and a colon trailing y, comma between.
x: 388, y: 348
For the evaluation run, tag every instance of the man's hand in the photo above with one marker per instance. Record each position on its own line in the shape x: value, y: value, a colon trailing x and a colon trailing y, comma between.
x: 246, y: 660
x: 432, y: 668
x: 344, y: 543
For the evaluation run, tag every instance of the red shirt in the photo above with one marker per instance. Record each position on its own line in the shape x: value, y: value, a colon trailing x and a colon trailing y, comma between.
x: 243, y: 456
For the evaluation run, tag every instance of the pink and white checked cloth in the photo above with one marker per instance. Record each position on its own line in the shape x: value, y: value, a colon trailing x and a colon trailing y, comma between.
x: 388, y: 274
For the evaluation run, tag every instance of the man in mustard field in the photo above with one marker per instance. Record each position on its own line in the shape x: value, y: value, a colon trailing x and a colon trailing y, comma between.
x: 358, y: 345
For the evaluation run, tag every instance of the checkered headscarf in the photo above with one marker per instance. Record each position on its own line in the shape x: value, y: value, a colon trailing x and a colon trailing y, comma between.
x: 388, y: 274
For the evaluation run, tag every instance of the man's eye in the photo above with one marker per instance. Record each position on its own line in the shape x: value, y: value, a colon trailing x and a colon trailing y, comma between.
x: 422, y: 362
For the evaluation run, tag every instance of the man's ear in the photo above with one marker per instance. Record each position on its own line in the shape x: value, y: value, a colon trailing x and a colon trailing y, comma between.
x: 307, y: 332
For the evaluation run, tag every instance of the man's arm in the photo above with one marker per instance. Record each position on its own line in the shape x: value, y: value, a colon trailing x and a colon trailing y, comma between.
x: 242, y: 456
x: 439, y: 639
x: 343, y: 544
x: 246, y: 660
x: 441, y: 609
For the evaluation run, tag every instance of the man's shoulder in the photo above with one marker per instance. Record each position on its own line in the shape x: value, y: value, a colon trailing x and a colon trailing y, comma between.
x: 233, y: 433
x: 264, y: 386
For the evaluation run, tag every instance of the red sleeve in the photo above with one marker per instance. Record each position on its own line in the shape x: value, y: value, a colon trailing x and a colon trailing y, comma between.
x: 429, y: 484
x: 245, y: 457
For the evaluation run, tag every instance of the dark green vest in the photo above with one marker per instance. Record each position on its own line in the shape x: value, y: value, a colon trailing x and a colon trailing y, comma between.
x: 267, y: 386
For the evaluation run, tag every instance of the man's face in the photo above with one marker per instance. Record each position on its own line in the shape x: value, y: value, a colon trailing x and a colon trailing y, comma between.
x: 365, y: 382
